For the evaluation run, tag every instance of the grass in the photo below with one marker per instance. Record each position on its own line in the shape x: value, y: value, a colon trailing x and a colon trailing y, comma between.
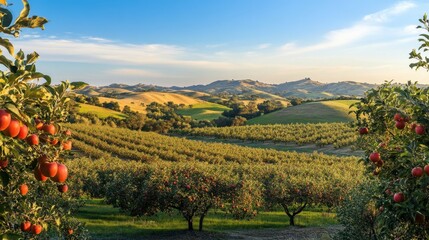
x: 313, y: 112
x: 100, y: 111
x: 139, y: 101
x: 106, y: 222
x: 306, y: 148
x: 204, y: 111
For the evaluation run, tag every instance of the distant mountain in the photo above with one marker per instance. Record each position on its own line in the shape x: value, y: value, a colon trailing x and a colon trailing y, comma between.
x: 305, y: 88
x: 229, y: 86
x: 246, y: 89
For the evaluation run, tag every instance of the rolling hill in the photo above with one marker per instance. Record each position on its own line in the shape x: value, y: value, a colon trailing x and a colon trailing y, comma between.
x: 203, y: 111
x: 100, y: 111
x: 313, y: 112
x: 305, y: 88
x: 138, y: 100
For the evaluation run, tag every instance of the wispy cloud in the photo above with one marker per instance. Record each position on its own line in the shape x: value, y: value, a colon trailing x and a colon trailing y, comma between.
x: 264, y: 45
x: 384, y: 15
x: 369, y: 25
x: 135, y: 72
x: 105, y: 51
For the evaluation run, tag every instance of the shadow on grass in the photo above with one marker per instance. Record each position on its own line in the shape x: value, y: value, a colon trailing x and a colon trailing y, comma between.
x: 106, y: 222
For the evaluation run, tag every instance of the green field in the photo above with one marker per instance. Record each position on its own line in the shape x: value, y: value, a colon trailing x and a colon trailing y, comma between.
x: 204, y: 111
x: 313, y: 112
x: 105, y: 222
x: 100, y: 111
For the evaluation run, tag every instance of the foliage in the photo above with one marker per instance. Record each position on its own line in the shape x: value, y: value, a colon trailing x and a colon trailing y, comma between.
x: 34, y: 109
x: 337, y: 134
x: 148, y: 146
x: 231, y: 177
x: 358, y: 213
x: 396, y: 116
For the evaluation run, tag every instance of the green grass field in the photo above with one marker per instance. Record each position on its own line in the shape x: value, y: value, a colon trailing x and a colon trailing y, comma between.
x: 100, y: 111
x: 313, y: 112
x: 106, y: 222
x: 204, y: 111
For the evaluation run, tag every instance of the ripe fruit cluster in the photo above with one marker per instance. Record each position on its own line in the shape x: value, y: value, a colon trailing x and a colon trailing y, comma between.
x: 43, y: 139
x: 32, y: 228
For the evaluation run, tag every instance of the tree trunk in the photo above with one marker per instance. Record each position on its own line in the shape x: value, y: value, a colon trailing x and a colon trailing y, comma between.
x: 292, y: 220
x: 293, y: 214
x: 190, y: 225
x: 200, y: 227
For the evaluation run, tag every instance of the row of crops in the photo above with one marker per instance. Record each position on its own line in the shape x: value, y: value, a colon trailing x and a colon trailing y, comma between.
x: 336, y: 134
x: 144, y: 173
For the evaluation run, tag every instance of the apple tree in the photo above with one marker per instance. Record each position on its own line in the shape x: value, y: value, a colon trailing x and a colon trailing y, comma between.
x: 34, y: 202
x: 393, y: 124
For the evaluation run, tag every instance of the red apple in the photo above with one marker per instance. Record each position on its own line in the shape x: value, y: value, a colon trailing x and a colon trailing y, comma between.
x: 426, y: 169
x: 36, y: 229
x: 363, y: 130
x: 375, y: 157
x: 4, y: 163
x: 26, y: 226
x: 398, y: 197
x: 5, y: 119
x: 49, y: 169
x: 33, y: 139
x: 23, y: 132
x: 23, y: 189
x: 49, y: 128
x: 400, y: 125
x: 420, y: 130
x: 61, y: 175
x: 63, y: 188
x: 67, y: 145
x: 70, y: 231
x: 417, y: 172
x: 379, y: 163
x: 39, y: 176
x: 54, y: 141
x: 68, y: 132
x: 398, y: 117
x: 13, y: 129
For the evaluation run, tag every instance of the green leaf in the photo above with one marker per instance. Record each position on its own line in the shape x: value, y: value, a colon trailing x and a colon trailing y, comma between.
x: 20, y: 55
x: 24, y: 12
x: 10, y: 236
x: 8, y: 45
x: 13, y: 109
x: 5, y: 62
x: 32, y: 57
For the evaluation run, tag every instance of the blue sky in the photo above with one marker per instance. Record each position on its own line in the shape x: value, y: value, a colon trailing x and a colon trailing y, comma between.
x: 186, y: 42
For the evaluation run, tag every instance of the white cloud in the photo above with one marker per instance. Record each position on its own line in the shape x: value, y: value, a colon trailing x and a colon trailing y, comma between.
x: 134, y: 72
x: 94, y: 50
x: 98, y: 39
x: 288, y: 46
x: 264, y: 45
x: 412, y: 30
x: 384, y: 15
x: 369, y: 25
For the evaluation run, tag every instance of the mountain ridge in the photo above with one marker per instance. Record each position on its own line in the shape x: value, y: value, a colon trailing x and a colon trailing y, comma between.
x: 305, y: 88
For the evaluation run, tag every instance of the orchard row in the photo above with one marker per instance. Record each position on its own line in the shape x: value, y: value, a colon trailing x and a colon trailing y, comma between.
x: 101, y: 141
x: 337, y: 134
x: 193, y: 188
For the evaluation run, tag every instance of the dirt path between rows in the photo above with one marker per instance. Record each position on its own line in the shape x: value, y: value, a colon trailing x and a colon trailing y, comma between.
x: 290, y: 233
